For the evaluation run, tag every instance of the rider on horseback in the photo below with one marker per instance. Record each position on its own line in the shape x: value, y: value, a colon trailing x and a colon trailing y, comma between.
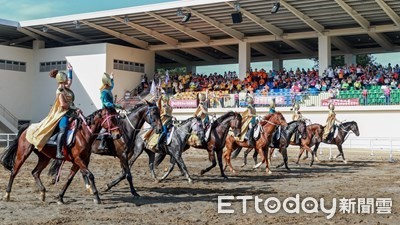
x: 296, y: 117
x: 330, y: 122
x: 272, y: 107
x: 166, y: 118
x: 202, y: 112
x: 63, y: 108
x: 249, y: 119
x: 107, y: 101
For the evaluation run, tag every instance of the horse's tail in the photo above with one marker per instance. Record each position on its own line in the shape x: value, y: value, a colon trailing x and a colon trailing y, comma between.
x: 236, y: 152
x: 54, y: 167
x: 7, y: 158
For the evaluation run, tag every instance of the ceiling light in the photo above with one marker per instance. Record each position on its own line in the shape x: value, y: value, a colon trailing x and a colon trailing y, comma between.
x: 126, y: 19
x: 179, y: 12
x: 275, y: 7
x: 186, y: 18
x: 77, y: 24
x: 45, y: 29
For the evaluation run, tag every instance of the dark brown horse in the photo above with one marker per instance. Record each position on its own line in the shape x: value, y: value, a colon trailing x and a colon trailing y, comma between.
x: 79, y: 154
x: 343, y: 130
x: 308, y: 139
x: 269, y: 123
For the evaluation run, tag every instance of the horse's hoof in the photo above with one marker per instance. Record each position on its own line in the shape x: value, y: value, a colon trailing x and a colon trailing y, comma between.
x: 7, y: 197
x: 304, y: 158
x: 202, y: 172
x: 344, y: 161
x: 60, y: 202
x: 190, y: 181
x: 107, y: 188
x: 43, y: 196
x: 97, y: 201
x: 225, y: 177
x: 269, y: 172
x: 136, y: 195
x: 298, y: 164
x: 233, y: 171
x: 289, y: 170
x: 311, y: 165
x: 156, y: 181
x: 243, y: 165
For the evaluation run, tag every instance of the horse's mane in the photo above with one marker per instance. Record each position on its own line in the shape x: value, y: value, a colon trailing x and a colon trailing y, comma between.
x: 225, y: 116
x: 137, y: 106
x: 348, y: 123
x: 186, y: 121
x: 90, y: 117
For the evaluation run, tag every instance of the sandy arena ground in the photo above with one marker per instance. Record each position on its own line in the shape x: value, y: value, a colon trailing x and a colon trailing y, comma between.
x: 175, y: 201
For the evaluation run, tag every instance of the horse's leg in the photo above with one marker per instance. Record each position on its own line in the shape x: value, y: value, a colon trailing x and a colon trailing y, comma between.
x: 74, y: 170
x: 19, y: 161
x: 255, y: 154
x: 136, y: 154
x: 220, y: 163
x: 312, y: 154
x: 176, y: 155
x: 262, y: 155
x: 227, y: 157
x: 283, y: 163
x: 42, y: 163
x: 125, y: 166
x: 83, y: 167
x: 300, y: 153
x: 341, y: 152
x: 271, y: 152
x: 159, y: 158
x: 211, y: 156
x: 151, y: 164
x: 171, y: 167
x: 285, y: 157
x: 245, y: 153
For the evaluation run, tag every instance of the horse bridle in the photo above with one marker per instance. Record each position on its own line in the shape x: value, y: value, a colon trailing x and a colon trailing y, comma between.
x: 149, y: 117
x: 107, y: 120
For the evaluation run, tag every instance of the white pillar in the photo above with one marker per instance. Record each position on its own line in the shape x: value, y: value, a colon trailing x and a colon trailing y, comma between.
x: 324, y: 53
x: 244, y: 59
x: 349, y: 59
x: 277, y: 64
x: 38, y: 44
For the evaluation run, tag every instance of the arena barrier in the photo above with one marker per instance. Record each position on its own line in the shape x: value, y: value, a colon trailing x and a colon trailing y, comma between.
x: 6, y: 138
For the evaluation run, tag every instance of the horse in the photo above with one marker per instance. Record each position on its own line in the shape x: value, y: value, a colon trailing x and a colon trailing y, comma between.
x: 308, y: 138
x: 269, y: 123
x: 216, y: 142
x: 129, y: 124
x: 20, y: 149
x: 344, y: 130
x: 174, y: 149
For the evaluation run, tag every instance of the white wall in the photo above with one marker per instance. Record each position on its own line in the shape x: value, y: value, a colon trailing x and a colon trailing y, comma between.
x: 29, y: 95
x: 15, y: 87
x: 126, y: 80
x: 88, y: 63
x: 373, y: 121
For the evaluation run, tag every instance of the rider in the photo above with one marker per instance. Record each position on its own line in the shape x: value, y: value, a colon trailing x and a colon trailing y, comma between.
x: 296, y: 114
x: 202, y: 110
x: 107, y: 101
x: 272, y: 107
x: 63, y: 108
x: 249, y: 121
x: 166, y: 118
x: 330, y: 121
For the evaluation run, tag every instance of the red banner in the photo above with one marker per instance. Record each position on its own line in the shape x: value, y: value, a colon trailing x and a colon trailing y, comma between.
x: 183, y: 103
x: 266, y: 100
x: 341, y: 102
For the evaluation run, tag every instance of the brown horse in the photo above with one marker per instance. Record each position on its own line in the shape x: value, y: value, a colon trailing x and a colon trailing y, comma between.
x: 311, y: 136
x: 269, y: 123
x: 79, y: 155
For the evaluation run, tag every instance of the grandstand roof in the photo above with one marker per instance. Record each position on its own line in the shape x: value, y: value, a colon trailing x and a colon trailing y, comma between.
x: 210, y: 36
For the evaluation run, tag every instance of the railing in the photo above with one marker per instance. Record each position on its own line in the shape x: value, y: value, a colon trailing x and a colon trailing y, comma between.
x: 6, y: 138
x: 8, y: 116
x: 371, y: 144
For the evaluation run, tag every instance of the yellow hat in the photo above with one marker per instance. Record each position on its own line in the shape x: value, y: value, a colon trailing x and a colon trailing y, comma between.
x: 61, y: 77
x: 106, y: 79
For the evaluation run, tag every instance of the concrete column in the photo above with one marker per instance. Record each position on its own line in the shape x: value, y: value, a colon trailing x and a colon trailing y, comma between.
x: 277, y: 64
x: 324, y: 53
x: 190, y: 68
x: 244, y: 59
x: 349, y: 59
x: 38, y: 44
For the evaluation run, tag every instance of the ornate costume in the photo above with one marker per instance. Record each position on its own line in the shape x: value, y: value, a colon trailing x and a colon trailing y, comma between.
x: 39, y: 133
x: 248, y: 122
x: 296, y: 114
x: 272, y: 107
x: 330, y: 121
x: 166, y: 117
x: 202, y: 110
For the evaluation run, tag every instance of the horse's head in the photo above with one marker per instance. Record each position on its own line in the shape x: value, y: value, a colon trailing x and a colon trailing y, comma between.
x: 354, y: 128
x: 277, y: 118
x: 153, y: 117
x: 109, y: 121
x: 197, y: 127
x: 235, y: 124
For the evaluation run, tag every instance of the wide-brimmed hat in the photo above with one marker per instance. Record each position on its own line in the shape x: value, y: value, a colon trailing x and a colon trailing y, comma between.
x: 106, y: 79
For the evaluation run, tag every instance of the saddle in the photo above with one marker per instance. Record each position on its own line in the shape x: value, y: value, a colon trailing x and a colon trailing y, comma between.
x: 69, y: 140
x: 333, y: 134
x: 257, y: 131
